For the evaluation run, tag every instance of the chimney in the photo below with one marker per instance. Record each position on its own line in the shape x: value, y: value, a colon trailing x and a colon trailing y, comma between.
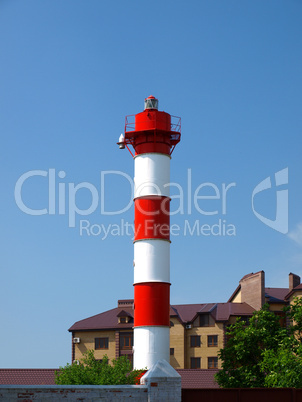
x: 294, y: 280
x: 253, y: 289
x: 125, y: 303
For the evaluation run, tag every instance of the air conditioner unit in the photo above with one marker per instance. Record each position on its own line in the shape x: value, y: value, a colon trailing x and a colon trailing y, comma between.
x: 76, y: 340
x: 188, y: 326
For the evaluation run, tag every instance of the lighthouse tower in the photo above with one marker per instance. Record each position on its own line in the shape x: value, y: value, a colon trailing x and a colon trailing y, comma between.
x: 153, y: 135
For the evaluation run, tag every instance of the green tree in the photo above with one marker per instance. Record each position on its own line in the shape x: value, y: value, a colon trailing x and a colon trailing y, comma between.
x: 262, y: 353
x: 283, y: 368
x: 294, y: 313
x: 90, y: 371
x: 242, y: 356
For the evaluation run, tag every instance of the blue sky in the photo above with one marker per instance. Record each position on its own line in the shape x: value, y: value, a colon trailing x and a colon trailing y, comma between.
x: 70, y: 71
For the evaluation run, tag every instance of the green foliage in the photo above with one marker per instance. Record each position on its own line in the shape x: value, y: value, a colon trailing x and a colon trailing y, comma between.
x: 283, y: 368
x: 294, y: 313
x: 262, y: 353
x: 90, y: 371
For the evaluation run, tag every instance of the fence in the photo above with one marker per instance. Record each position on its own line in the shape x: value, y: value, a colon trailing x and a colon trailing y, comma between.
x: 242, y: 395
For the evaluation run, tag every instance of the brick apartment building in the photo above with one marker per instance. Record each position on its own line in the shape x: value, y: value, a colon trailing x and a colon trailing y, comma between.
x: 197, y: 331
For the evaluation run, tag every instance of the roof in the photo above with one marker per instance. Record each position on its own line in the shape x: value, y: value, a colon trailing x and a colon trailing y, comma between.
x: 27, y: 376
x: 198, y: 378
x: 225, y: 310
x: 106, y: 320
x: 299, y: 287
x: 219, y: 311
x: 234, y: 293
x: 184, y: 312
x: 124, y: 313
x: 188, y: 312
x: 276, y: 295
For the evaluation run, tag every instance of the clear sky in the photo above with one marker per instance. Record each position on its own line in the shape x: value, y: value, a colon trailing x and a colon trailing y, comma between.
x: 70, y: 71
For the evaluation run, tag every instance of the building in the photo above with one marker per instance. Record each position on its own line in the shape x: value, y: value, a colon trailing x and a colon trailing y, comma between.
x: 197, y: 331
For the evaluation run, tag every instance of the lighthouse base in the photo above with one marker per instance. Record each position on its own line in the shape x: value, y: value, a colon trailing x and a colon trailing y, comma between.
x: 150, y: 345
x: 163, y: 382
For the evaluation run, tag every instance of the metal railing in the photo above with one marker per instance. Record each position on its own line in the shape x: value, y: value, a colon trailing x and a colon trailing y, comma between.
x: 130, y: 123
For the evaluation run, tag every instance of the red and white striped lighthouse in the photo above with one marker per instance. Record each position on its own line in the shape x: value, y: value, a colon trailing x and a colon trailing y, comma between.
x: 153, y: 136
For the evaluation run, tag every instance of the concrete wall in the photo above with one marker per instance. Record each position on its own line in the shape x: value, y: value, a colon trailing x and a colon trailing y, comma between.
x: 53, y: 393
x: 163, y: 382
x: 160, y: 383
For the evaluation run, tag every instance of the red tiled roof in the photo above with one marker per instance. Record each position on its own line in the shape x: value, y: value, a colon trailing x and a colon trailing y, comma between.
x: 219, y: 311
x: 124, y: 313
x: 185, y: 312
x: 106, y: 320
x: 198, y: 378
x: 276, y: 295
x: 27, y: 376
x: 173, y: 312
x: 299, y: 287
x: 225, y: 310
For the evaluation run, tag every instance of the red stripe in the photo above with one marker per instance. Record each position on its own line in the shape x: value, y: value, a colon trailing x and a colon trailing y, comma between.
x: 152, y: 304
x: 152, y: 120
x: 154, y: 128
x: 145, y: 144
x: 152, y: 218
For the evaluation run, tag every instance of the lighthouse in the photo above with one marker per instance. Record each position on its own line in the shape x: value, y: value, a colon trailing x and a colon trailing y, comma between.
x: 150, y: 137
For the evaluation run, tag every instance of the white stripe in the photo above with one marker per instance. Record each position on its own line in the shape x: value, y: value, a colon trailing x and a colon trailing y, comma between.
x: 150, y: 345
x: 151, y: 261
x: 152, y: 175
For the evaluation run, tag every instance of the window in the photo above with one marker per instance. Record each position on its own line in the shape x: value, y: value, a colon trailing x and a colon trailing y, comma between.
x: 195, y: 341
x: 282, y: 318
x: 123, y: 320
x: 227, y: 337
x: 126, y: 340
x: 195, y: 362
x: 171, y: 351
x: 245, y: 319
x: 212, y: 362
x: 212, y: 340
x: 130, y: 358
x: 100, y: 360
x: 101, y: 343
x: 206, y: 321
